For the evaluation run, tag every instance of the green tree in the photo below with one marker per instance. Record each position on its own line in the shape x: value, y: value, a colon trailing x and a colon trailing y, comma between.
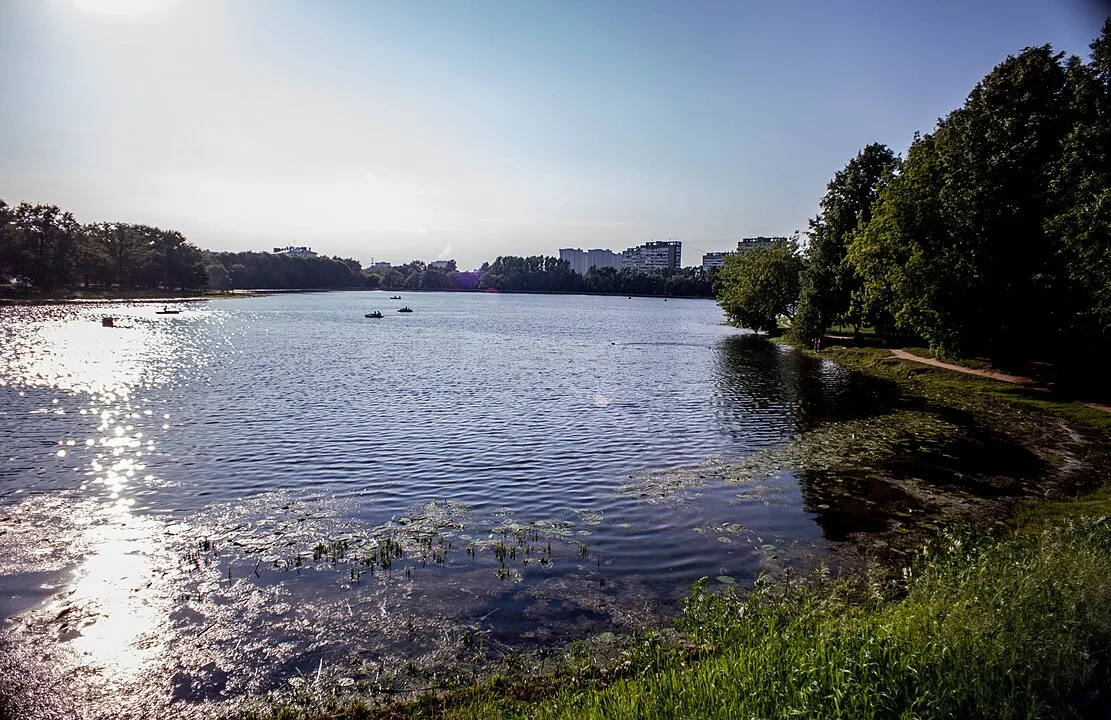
x: 43, y: 247
x: 218, y: 276
x: 1082, y: 220
x: 94, y: 265
x: 392, y: 279
x: 371, y: 281
x: 956, y: 250
x: 828, y: 282
x: 8, y: 241
x: 760, y: 285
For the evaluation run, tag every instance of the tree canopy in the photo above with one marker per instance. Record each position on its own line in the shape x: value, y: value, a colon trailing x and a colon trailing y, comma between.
x: 760, y: 285
x: 45, y: 248
x: 992, y: 239
x: 828, y: 282
x: 260, y: 270
x: 996, y: 231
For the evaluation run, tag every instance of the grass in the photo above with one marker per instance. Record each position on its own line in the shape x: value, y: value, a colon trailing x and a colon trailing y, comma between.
x: 1009, y: 627
x: 1012, y: 630
x: 934, y: 381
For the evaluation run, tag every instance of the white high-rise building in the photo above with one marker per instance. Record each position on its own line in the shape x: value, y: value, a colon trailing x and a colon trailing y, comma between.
x: 751, y: 243
x: 582, y: 260
x: 655, y: 255
x: 575, y: 258
x: 714, y: 259
x: 597, y: 258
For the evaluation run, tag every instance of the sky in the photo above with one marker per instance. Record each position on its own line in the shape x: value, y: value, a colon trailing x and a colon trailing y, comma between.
x: 468, y: 129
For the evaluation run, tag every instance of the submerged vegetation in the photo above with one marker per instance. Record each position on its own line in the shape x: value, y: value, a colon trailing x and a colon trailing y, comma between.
x: 953, y: 610
x: 1008, y: 627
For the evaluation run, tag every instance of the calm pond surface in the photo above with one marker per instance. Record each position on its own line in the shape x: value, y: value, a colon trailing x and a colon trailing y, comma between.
x: 198, y: 506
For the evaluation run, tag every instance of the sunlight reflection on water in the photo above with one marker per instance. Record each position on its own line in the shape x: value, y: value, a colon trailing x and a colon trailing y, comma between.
x: 116, y: 588
x: 281, y: 425
x: 113, y: 610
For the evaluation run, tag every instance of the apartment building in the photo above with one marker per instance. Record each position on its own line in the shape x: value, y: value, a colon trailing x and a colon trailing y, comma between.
x: 582, y: 260
x: 714, y: 259
x: 655, y: 255
x: 295, y: 251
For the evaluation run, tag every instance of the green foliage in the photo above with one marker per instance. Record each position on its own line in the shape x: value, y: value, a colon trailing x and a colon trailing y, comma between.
x: 760, y: 285
x: 1009, y: 630
x: 1000, y: 220
x: 1082, y: 190
x: 537, y: 273
x: 256, y: 270
x: 1012, y: 627
x: 46, y: 248
x: 828, y: 281
x: 218, y: 277
x: 549, y: 274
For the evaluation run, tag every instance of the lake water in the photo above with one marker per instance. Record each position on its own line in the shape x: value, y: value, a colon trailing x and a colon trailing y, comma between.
x: 207, y: 504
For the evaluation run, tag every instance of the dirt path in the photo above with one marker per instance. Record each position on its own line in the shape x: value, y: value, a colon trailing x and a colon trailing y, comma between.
x: 993, y: 374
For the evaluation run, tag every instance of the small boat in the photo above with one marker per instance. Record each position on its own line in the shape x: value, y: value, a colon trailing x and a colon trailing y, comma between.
x: 167, y: 311
x: 395, y: 297
x: 406, y: 309
x: 375, y: 314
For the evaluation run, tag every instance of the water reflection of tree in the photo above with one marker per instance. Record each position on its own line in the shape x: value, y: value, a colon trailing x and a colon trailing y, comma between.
x: 762, y: 387
x: 868, y: 457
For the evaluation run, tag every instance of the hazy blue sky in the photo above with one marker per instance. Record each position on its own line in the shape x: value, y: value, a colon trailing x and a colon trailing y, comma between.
x: 470, y: 129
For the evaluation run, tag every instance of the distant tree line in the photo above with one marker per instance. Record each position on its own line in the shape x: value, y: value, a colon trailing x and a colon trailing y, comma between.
x: 992, y: 238
x: 261, y: 270
x: 45, y: 248
x: 549, y: 274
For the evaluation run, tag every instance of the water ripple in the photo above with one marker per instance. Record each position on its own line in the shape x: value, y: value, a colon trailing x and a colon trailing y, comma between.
x: 272, y: 425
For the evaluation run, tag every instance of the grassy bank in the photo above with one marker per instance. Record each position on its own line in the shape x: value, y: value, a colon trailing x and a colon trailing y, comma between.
x: 1014, y: 623
x: 955, y: 387
x: 1009, y: 627
x: 20, y: 294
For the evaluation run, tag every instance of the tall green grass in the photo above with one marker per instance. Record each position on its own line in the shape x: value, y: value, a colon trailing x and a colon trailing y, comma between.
x: 1013, y: 628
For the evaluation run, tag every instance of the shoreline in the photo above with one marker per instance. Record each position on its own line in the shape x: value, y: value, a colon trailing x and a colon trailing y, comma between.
x: 603, y: 670
x: 508, y: 680
x: 264, y: 292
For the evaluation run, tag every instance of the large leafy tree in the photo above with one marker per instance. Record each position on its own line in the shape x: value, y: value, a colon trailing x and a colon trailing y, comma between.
x: 8, y: 250
x: 1081, y: 223
x: 828, y: 281
x: 42, y: 245
x: 94, y: 265
x: 905, y: 255
x: 957, y: 249
x: 760, y: 285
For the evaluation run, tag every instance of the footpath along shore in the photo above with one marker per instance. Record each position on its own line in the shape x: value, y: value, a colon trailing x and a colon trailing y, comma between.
x: 992, y: 374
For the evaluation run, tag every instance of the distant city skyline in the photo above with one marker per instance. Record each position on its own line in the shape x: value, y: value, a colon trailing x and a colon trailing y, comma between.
x: 441, y: 130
